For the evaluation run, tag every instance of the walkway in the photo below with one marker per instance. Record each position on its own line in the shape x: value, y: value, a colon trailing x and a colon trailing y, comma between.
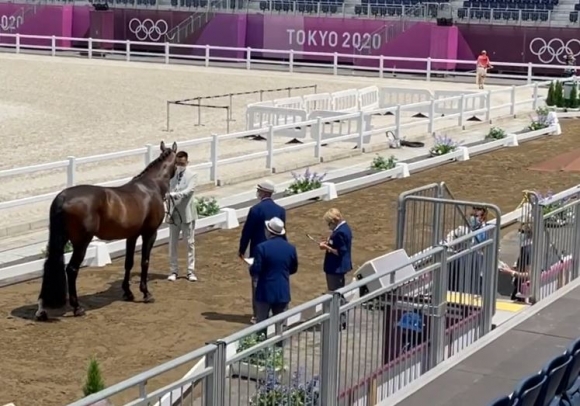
x: 498, y: 362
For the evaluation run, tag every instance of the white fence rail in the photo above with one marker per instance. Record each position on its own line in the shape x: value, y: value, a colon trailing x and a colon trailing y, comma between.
x: 320, y: 127
x: 246, y: 57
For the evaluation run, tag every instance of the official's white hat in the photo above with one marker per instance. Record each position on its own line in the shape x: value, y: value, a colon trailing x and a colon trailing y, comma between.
x: 267, y: 186
x: 275, y: 226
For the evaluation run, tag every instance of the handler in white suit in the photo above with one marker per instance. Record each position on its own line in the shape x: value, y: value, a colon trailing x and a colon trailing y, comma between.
x: 181, y: 215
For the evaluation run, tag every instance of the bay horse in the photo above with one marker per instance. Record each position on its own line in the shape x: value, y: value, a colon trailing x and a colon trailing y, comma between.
x: 79, y: 213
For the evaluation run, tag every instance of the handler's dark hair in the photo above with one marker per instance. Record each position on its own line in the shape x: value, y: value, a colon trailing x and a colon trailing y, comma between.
x: 182, y: 154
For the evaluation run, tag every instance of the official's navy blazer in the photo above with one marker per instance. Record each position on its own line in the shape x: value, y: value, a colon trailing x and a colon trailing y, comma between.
x: 340, y: 240
x: 254, y: 231
x: 274, y: 261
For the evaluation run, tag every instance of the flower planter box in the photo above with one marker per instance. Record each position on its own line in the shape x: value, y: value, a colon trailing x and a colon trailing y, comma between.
x: 252, y: 372
x: 560, y: 220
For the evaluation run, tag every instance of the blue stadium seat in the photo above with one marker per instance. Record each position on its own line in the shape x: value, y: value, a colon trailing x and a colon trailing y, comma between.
x: 556, y: 372
x: 573, y: 16
x: 503, y: 401
x: 570, y: 388
x: 528, y: 390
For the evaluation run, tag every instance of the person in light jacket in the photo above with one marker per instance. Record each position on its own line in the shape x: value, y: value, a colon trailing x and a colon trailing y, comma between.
x: 182, y: 215
x: 253, y: 232
x: 274, y: 261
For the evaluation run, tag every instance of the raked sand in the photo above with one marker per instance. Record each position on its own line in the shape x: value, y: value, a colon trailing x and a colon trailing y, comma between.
x: 51, y: 108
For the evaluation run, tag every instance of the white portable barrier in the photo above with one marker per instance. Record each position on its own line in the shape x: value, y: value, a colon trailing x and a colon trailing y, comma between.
x: 345, y: 101
x: 472, y: 101
x: 264, y: 116
x: 319, y: 101
x: 290, y: 103
x: 394, y: 96
x: 368, y: 98
x: 340, y: 128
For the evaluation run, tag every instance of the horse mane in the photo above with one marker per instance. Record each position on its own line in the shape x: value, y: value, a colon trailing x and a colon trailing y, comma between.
x: 153, y: 164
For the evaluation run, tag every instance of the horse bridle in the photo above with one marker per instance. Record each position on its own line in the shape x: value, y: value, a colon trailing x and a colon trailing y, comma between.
x: 168, y: 213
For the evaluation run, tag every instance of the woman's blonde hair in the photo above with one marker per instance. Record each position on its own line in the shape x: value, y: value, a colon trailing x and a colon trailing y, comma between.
x: 333, y: 216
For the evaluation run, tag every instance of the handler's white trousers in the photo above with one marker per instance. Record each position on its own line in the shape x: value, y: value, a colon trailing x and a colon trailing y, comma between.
x: 188, y: 230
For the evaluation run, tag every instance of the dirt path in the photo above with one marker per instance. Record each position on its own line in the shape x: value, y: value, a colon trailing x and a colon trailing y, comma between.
x: 45, y: 363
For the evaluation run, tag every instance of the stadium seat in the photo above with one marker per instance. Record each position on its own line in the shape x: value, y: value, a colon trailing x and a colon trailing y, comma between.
x: 570, y: 388
x: 556, y: 373
x: 528, y: 390
x: 503, y: 401
x: 573, y: 16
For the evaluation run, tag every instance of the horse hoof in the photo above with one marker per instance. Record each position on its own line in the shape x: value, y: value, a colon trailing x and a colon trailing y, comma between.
x: 41, y: 315
x: 128, y: 297
x: 79, y: 312
x: 149, y: 299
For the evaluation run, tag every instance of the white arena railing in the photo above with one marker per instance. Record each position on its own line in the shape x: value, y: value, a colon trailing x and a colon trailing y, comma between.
x: 461, y: 107
x: 292, y: 59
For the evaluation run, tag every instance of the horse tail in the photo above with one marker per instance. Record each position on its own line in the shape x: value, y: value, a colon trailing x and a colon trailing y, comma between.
x: 54, y: 287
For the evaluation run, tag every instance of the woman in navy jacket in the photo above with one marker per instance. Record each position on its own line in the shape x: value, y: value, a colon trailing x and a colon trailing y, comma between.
x: 337, y: 260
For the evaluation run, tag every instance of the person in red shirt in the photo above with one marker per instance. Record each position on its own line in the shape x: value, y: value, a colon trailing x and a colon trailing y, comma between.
x: 483, y: 64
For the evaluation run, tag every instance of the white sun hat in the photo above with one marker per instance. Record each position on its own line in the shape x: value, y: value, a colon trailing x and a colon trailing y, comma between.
x: 275, y: 226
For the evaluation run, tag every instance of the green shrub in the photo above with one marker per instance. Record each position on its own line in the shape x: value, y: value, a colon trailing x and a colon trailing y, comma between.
x: 304, y: 182
x: 559, y: 94
x: 381, y: 163
x: 269, y: 357
x: 573, y: 101
x: 550, y: 99
x: 207, y: 206
x: 67, y: 248
x: 94, y: 382
x: 495, y: 133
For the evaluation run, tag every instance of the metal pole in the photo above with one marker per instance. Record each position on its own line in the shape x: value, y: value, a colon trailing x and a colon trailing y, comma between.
x: 289, y: 92
x: 230, y: 111
x: 167, y: 121
x: 261, y: 94
x: 227, y: 121
x: 198, y: 111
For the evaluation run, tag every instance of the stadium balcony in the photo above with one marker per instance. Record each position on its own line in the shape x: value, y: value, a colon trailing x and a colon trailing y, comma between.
x: 556, y: 384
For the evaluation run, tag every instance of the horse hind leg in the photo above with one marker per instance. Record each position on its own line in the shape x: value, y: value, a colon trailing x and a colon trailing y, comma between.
x: 72, y: 271
x: 148, y: 241
x: 129, y: 262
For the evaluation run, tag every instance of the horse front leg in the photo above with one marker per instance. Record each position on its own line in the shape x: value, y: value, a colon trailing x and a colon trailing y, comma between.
x: 72, y: 271
x: 129, y: 262
x: 148, y: 241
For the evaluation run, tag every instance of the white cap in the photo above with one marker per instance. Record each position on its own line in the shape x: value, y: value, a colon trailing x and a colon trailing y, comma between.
x: 275, y: 226
x: 266, y: 186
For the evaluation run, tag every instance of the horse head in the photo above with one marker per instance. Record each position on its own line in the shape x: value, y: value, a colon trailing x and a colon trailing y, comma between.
x: 167, y: 165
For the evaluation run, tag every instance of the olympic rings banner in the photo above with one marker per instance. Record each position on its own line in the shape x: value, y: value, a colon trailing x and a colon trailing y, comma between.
x: 351, y: 36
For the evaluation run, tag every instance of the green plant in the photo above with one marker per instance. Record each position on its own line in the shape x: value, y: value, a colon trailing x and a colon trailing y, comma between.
x: 573, y: 101
x: 559, y: 94
x: 495, y: 133
x: 67, y: 248
x: 550, y: 98
x: 304, y: 182
x: 207, y: 206
x: 542, y: 121
x: 381, y: 163
x: 443, y: 145
x: 269, y: 357
x: 271, y: 392
x: 94, y: 382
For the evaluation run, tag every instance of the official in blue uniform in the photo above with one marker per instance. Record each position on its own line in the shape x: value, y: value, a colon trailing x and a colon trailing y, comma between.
x: 338, y: 259
x: 253, y: 232
x: 274, y: 261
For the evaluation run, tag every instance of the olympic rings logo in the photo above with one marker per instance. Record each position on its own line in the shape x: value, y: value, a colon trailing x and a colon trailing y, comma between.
x: 554, y: 50
x: 148, y: 29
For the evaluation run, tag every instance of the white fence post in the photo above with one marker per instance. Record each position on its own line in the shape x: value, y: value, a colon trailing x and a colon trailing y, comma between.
x: 431, y: 125
x: 488, y: 106
x: 53, y: 45
x: 530, y: 72
x: 270, y: 148
x: 291, y: 61
x: 207, y: 49
x: 317, y: 135
x: 166, y: 51
x: 429, y: 69
x: 535, y: 96
x: 17, y: 43
x: 461, y: 110
x: 213, y: 172
x: 398, y: 122
x: 335, y: 64
x: 513, y: 101
x: 248, y: 58
x: 128, y: 51
x: 90, y: 48
x: 71, y: 171
x: 361, y: 131
x: 381, y: 66
x: 149, y: 154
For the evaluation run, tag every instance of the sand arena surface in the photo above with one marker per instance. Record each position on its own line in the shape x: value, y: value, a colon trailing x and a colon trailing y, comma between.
x: 51, y: 108
x: 46, y: 361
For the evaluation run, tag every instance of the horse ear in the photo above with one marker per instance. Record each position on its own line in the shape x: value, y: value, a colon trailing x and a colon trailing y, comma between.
x: 162, y: 146
x: 174, y: 146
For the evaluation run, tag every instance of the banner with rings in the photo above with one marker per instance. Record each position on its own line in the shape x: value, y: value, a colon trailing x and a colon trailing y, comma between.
x: 554, y: 51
